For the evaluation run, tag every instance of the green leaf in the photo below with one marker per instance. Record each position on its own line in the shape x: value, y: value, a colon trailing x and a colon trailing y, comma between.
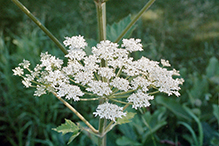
x: 216, y: 111
x: 215, y: 141
x: 128, y: 130
x: 73, y: 137
x: 125, y: 119
x: 126, y: 141
x: 153, y: 122
x: 200, y: 87
x: 173, y: 106
x: 200, y: 129
x: 209, y: 132
x: 114, y: 30
x: 67, y: 127
x: 213, y: 67
x: 191, y: 131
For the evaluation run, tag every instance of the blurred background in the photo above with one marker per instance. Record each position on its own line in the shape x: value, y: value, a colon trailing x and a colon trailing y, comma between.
x: 185, y: 32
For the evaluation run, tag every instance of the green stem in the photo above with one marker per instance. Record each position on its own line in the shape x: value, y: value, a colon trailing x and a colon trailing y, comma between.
x: 76, y: 113
x: 35, y: 20
x: 88, y: 99
x: 101, y: 19
x: 153, y: 92
x: 134, y: 20
x: 111, y: 125
x: 102, y: 125
x: 122, y: 93
x: 119, y: 101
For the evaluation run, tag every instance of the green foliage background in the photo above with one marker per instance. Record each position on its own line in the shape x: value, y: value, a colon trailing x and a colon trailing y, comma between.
x: 184, y: 32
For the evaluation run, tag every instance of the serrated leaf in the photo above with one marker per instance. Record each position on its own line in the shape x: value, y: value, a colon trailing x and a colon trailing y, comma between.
x: 67, y: 127
x: 113, y: 31
x: 125, y: 119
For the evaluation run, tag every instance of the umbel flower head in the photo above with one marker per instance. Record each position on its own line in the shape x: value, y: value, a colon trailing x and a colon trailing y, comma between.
x: 109, y: 74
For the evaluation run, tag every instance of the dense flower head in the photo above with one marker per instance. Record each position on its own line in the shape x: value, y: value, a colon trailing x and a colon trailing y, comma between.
x: 109, y: 73
x: 132, y: 45
x: 75, y: 42
x: 109, y: 111
x: 140, y: 99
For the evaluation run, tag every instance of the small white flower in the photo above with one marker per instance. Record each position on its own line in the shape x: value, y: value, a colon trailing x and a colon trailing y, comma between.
x: 98, y: 87
x: 69, y: 91
x: 140, y: 81
x: 165, y: 62
x: 49, y: 62
x: 26, y: 82
x: 76, y: 54
x: 37, y: 68
x: 139, y: 99
x: 132, y: 45
x: 55, y: 78
x: 130, y: 70
x: 83, y: 77
x: 91, y: 63
x: 120, y: 83
x: 106, y: 72
x: 25, y: 63
x: 40, y: 90
x: 145, y: 65
x: 119, y: 62
x: 73, y: 67
x: 18, y: 71
x: 105, y: 50
x: 109, y: 111
x: 75, y: 42
x: 175, y: 72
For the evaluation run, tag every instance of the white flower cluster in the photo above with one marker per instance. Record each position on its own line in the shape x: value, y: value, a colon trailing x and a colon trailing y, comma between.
x: 109, y: 111
x: 108, y: 73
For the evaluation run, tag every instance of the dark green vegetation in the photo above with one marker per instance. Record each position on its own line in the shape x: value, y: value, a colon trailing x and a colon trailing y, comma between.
x: 184, y: 32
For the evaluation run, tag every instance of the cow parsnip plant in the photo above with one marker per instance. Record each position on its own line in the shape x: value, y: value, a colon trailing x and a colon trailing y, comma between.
x: 109, y: 74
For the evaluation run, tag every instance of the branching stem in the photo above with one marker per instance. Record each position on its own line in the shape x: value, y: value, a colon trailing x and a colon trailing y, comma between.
x: 76, y: 113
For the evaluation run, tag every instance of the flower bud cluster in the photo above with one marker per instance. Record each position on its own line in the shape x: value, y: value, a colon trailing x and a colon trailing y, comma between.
x: 109, y: 74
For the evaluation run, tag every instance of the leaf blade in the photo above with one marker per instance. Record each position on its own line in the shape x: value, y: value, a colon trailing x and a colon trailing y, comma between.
x: 67, y: 127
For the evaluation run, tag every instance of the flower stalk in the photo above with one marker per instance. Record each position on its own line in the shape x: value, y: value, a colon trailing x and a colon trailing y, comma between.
x: 76, y: 113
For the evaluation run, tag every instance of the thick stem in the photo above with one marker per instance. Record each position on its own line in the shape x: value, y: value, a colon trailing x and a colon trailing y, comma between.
x: 41, y: 26
x: 102, y: 138
x: 102, y: 125
x: 101, y: 19
x: 134, y: 20
x: 76, y: 113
